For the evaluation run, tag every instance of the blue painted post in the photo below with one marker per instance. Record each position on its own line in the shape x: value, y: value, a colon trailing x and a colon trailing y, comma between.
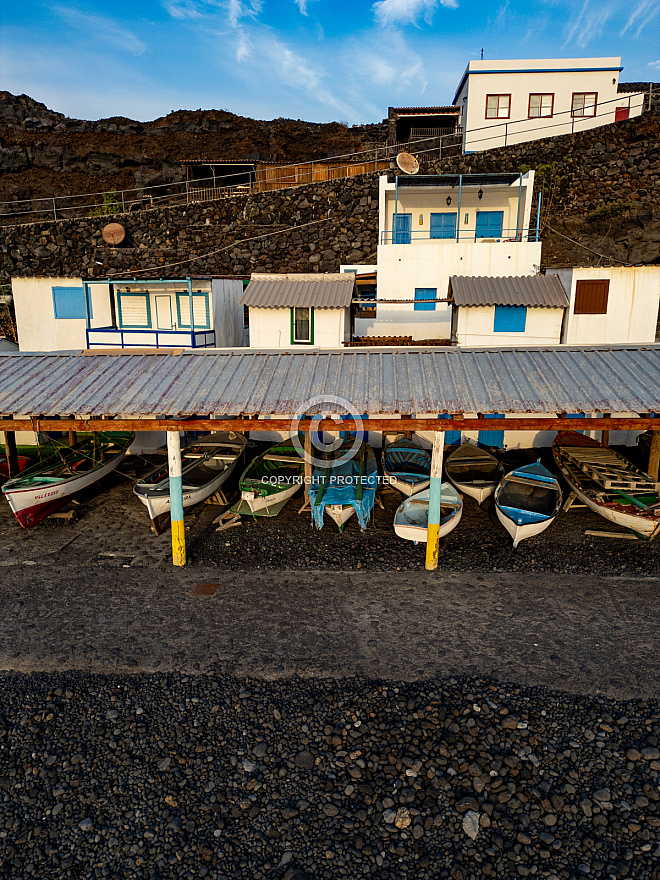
x: 192, y: 316
x: 518, y: 234
x: 435, y: 502
x: 538, y: 217
x: 176, y: 498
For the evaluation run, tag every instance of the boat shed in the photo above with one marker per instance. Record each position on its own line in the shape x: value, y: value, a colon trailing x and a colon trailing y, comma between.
x: 520, y: 389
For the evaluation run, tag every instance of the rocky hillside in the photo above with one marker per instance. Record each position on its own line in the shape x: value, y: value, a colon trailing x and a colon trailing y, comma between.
x: 44, y: 153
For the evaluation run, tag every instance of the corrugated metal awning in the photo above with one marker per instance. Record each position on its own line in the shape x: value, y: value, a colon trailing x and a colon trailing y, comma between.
x: 377, y: 381
x: 329, y: 291
x: 536, y: 291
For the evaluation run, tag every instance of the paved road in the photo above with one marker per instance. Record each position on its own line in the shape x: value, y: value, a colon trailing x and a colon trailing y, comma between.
x: 579, y: 634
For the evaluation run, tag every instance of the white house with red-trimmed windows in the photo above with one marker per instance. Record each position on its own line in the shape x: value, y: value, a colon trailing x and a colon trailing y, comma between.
x: 512, y: 101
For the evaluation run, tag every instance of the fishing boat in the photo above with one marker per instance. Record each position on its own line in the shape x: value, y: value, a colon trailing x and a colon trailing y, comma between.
x: 474, y: 471
x: 412, y: 517
x: 4, y: 466
x: 527, y: 500
x: 270, y: 480
x: 206, y: 465
x: 344, y: 489
x: 609, y: 484
x: 406, y: 466
x: 42, y: 489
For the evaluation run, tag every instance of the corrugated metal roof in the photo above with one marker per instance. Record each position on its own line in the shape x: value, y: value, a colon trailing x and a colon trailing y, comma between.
x: 537, y: 291
x: 377, y: 381
x: 329, y: 291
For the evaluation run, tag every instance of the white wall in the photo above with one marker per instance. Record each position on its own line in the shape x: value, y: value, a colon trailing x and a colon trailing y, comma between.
x: 520, y: 78
x: 39, y: 329
x: 632, y: 306
x: 271, y: 328
x: 474, y: 326
x: 403, y: 267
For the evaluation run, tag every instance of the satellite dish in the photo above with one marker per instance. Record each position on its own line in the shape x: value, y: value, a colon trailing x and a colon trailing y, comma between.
x: 407, y: 163
x: 113, y: 233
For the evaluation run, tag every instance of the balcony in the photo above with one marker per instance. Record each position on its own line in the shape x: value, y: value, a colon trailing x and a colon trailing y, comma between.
x: 114, y: 337
x: 417, y: 236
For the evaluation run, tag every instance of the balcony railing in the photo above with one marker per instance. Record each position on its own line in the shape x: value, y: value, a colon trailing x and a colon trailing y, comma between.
x: 115, y: 337
x: 414, y: 236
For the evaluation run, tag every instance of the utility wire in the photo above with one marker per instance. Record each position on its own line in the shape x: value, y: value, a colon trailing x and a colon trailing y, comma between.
x: 591, y: 250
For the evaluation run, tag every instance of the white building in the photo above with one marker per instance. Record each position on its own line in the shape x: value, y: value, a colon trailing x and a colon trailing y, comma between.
x: 511, y: 101
x: 63, y: 314
x: 611, y: 306
x: 290, y: 311
x: 433, y: 227
x: 504, y: 312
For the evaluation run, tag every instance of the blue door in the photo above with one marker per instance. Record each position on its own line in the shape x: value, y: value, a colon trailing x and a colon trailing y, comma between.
x: 452, y: 438
x: 576, y: 416
x: 492, y: 438
x: 402, y: 227
x: 489, y: 224
x: 443, y: 225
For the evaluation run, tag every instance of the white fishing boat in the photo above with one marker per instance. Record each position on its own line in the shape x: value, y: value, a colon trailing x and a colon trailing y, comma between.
x: 270, y: 480
x: 342, y: 490
x: 42, y: 489
x: 206, y: 465
x: 474, y: 471
x: 527, y: 501
x: 609, y: 484
x: 412, y: 517
x: 406, y: 465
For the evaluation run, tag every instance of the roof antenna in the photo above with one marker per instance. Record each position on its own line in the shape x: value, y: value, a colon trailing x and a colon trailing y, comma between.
x: 482, y: 54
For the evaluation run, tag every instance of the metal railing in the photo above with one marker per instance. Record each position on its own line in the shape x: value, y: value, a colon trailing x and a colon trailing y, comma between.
x: 123, y: 337
x: 463, y: 234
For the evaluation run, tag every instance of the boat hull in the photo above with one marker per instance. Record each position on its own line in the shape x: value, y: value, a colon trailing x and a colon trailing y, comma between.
x: 32, y: 505
x: 527, y: 501
x: 520, y: 532
x: 259, y: 505
x: 407, y: 489
x: 479, y: 493
x: 406, y: 528
x: 645, y: 528
x: 458, y: 466
x: 340, y: 513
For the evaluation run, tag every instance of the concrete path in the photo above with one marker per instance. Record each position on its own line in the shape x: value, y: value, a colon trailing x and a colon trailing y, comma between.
x: 580, y: 634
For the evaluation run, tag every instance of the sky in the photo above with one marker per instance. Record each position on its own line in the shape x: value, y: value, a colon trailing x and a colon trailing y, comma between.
x: 317, y: 60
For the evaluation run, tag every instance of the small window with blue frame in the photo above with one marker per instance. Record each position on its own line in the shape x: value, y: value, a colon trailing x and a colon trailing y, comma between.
x: 510, y: 319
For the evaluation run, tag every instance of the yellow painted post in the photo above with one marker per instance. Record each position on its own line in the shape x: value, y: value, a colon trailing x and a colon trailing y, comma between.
x: 435, y: 502
x: 176, y: 498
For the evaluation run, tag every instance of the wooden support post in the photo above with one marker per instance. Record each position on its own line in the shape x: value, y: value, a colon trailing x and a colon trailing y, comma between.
x: 308, y: 470
x: 654, y: 456
x: 605, y: 435
x: 11, y: 453
x: 435, y: 501
x: 176, y: 498
x: 72, y: 438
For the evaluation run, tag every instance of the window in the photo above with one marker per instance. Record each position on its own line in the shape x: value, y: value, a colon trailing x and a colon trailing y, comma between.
x: 402, y: 228
x: 541, y: 106
x: 584, y: 104
x: 498, y: 106
x: 489, y: 224
x: 302, y: 325
x: 443, y: 225
x: 134, y: 310
x: 422, y: 294
x: 201, y: 312
x: 69, y: 302
x: 510, y: 319
x: 591, y: 297
x: 492, y: 438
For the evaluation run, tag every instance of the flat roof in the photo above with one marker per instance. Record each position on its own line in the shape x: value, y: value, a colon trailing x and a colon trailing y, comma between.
x: 535, y: 291
x: 453, y: 180
x: 379, y: 381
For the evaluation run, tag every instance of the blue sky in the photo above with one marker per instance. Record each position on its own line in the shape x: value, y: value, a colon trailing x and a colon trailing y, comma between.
x: 318, y: 60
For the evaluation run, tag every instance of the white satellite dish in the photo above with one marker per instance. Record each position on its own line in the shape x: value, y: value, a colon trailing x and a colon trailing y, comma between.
x: 407, y: 163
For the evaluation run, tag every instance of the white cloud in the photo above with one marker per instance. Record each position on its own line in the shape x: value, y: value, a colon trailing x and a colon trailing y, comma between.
x: 302, y: 6
x: 587, y: 24
x: 654, y: 64
x: 100, y: 27
x: 182, y: 8
x: 235, y: 10
x: 640, y: 16
x: 390, y: 12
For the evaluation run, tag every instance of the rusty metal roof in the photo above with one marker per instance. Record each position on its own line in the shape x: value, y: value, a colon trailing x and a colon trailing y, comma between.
x: 236, y: 382
x: 332, y: 290
x: 536, y: 291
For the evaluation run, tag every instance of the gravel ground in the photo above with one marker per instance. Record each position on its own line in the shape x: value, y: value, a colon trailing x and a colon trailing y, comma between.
x: 111, y: 525
x: 159, y: 776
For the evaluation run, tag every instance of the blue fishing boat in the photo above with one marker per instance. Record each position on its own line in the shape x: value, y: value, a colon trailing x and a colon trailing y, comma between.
x: 342, y: 488
x: 406, y: 465
x: 527, y: 501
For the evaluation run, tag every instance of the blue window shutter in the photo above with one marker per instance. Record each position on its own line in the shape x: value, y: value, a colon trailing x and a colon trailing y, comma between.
x: 489, y: 224
x: 198, y: 297
x: 69, y: 302
x: 510, y: 319
x: 402, y: 228
x: 443, y: 225
x: 452, y: 438
x: 422, y: 294
x: 492, y: 438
